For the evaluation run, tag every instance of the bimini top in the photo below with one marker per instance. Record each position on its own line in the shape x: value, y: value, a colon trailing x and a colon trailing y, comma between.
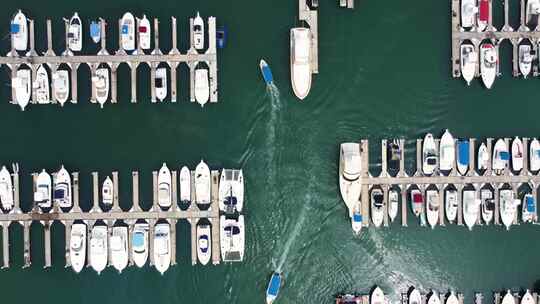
x: 15, y: 28
x: 463, y: 150
x: 275, y: 282
x: 357, y: 217
x: 504, y: 155
x: 530, y: 204
x: 138, y: 239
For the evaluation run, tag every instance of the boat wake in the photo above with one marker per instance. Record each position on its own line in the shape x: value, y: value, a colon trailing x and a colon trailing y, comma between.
x: 274, y: 123
x: 292, y: 238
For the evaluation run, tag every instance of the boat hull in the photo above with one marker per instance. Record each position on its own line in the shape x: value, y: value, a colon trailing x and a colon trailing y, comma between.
x: 127, y: 32
x: 41, y: 86
x: 534, y: 155
x: 119, y: 247
x: 99, y: 248
x: 162, y: 245
x: 447, y: 152
x: 300, y: 57
x: 77, y: 247
x: 75, y: 33
x: 20, y: 38
x: 432, y: 207
x: 61, y: 86
x: 450, y: 205
x: 202, y: 184
x: 202, y: 86
x: 489, y: 62
x: 164, y: 187
x: 204, y: 244
x: 517, y: 154
x: 429, y: 155
x: 43, y: 194
x: 185, y: 185
x: 139, y: 248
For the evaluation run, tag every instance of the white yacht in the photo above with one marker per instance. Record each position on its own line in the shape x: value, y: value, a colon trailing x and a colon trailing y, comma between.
x: 377, y: 296
x: 144, y: 32
x: 6, y: 189
x: 198, y: 32
x: 393, y: 203
x: 202, y: 86
x: 528, y: 208
x: 231, y: 190
x: 62, y: 189
x: 356, y: 218
x: 43, y: 193
x: 139, y: 244
x: 204, y: 243
x: 99, y: 248
x: 452, y: 299
x: 471, y: 208
x: 60, y: 85
x: 469, y: 60
x: 417, y: 202
x: 517, y: 154
x: 22, y: 83
x: 415, y: 297
x: 434, y: 298
x: 185, y: 185
x: 488, y: 205
x: 377, y: 207
x: 500, y: 157
x: 451, y: 204
x: 77, y: 246
x: 429, y: 155
x: 301, y: 61
x: 161, y: 83
x: 489, y: 63
x: 508, y: 207
x: 232, y: 238
x: 74, y: 35
x: 202, y: 184
x: 127, y: 32
x: 527, y: 298
x: 468, y: 13
x: 525, y: 59
x: 164, y: 187
x: 349, y: 174
x: 483, y: 157
x: 508, y: 298
x: 41, y: 86
x: 162, y: 247
x: 447, y: 152
x: 19, y: 31
x: 432, y: 207
x: 534, y: 155
x: 101, y: 84
x: 119, y: 247
x: 107, y: 191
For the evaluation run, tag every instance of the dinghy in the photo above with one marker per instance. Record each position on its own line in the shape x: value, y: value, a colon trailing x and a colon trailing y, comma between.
x: 62, y: 189
x: 393, y: 202
x: 161, y: 83
x: 221, y: 37
x: 483, y: 15
x: 77, y: 246
x: 528, y: 211
x: 41, y: 86
x: 377, y: 207
x: 164, y: 187
x: 429, y: 155
x: 204, y: 244
x: 19, y: 31
x: 447, y: 152
x: 266, y: 72
x: 144, y: 32
x: 127, y: 32
x: 377, y: 296
x: 139, y: 244
x: 95, y: 31
x: 417, y: 202
x: 6, y: 189
x: 500, y: 157
x: 463, y: 156
x: 99, y: 251
x: 61, y: 86
x: 517, y: 154
x: 468, y: 62
x: 162, y: 247
x: 107, y: 192
x: 525, y: 59
x: 483, y: 157
x: 451, y: 204
x: 432, y: 209
x: 468, y: 13
x: 489, y: 61
x: 300, y: 61
x: 349, y: 174
x: 272, y: 291
x: 101, y: 84
x: 185, y: 185
x: 488, y: 205
x: 508, y: 207
x: 23, y: 87
x: 119, y: 247
x: 202, y: 86
x: 202, y: 184
x: 75, y: 33
x: 198, y: 32
x: 534, y: 155
x: 43, y: 193
x: 471, y: 208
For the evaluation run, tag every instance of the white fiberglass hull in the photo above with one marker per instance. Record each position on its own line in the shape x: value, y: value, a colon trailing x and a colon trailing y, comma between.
x: 164, y: 187
x: 101, y: 85
x: 300, y: 43
x: 489, y: 62
x: 507, y: 207
x: 231, y: 190
x: 6, y: 189
x: 99, y: 248
x: 393, y: 204
x: 377, y: 212
x: 534, y: 155
x: 43, y: 194
x: 415, y: 297
x: 204, y: 244
x: 41, y: 86
x: 508, y: 298
x: 23, y: 87
x: 232, y: 239
x: 144, y: 32
x: 139, y: 245
x: 185, y: 185
x: 468, y: 13
x: 61, y: 86
x: 452, y: 299
x: 525, y: 60
x: 198, y: 32
x: 499, y: 161
x: 450, y: 205
x: 119, y: 247
x: 20, y: 38
x: 107, y: 191
x: 483, y: 157
x: 471, y: 208
x: 527, y: 298
x: 62, y: 183
x: 434, y: 298
x: 432, y: 207
x: 162, y: 246
x: 161, y: 84
x: 202, y: 86
x: 487, y: 214
x: 349, y: 182
x: 127, y: 32
x: 517, y: 154
x: 429, y: 155
x: 447, y: 152
x: 468, y: 62
x: 202, y: 184
x: 75, y: 33
x: 77, y: 247
x: 377, y: 296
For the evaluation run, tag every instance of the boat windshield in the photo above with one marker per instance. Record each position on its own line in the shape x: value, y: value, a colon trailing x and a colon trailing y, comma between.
x: 197, y: 28
x: 138, y: 240
x: 159, y: 83
x: 431, y: 160
x: 357, y: 217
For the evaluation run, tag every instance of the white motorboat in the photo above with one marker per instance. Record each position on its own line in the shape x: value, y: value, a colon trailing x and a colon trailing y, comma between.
x: 43, y: 193
x: 139, y: 244
x: 60, y: 85
x: 101, y: 85
x: 185, y: 185
x: 528, y: 208
x: 19, y: 31
x: 377, y: 296
x: 349, y: 174
x: 164, y: 187
x: 469, y: 60
x: 6, y: 189
x: 434, y: 298
x: 107, y: 191
x: 429, y: 155
x: 483, y: 157
x: 22, y: 83
x: 471, y: 208
x: 508, y: 207
x: 508, y: 298
x: 488, y: 205
x: 415, y: 297
x: 198, y: 32
x: 232, y: 238
x: 534, y: 155
x: 417, y: 202
x: 202, y: 184
x: 162, y: 247
x: 532, y: 11
x: 300, y: 61
x: 74, y: 35
x: 463, y: 157
x: 99, y: 248
x: 119, y: 247
x: 517, y: 154
x: 204, y: 243
x: 500, y: 157
x: 452, y: 299
x: 447, y: 152
x: 451, y: 204
x: 525, y: 59
x: 144, y: 32
x: 393, y: 203
x: 161, y: 83
x: 41, y: 86
x: 62, y: 189
x: 202, y: 86
x: 468, y: 13
x: 489, y: 62
x: 77, y: 246
x: 377, y: 207
x: 231, y: 190
x: 127, y: 32
x: 432, y: 207
x: 527, y: 298
x: 356, y: 219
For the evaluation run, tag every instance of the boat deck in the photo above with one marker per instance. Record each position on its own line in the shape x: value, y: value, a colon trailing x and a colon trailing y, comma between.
x: 310, y: 17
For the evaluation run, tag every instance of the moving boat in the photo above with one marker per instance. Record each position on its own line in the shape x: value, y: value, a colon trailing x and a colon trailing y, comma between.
x: 164, y: 187
x: 185, y: 185
x: 500, y: 157
x: 19, y: 31
x: 393, y: 155
x: 107, y: 192
x: 508, y: 298
x: 451, y: 204
x: 434, y: 298
x: 119, y: 247
x: 144, y: 33
x: 202, y: 86
x: 489, y: 61
x: 517, y: 154
x: 232, y: 238
x: 433, y: 205
x: 75, y: 33
x: 62, y: 189
x: 98, y: 248
x: 198, y: 32
x: 429, y: 155
x: 463, y: 156
x: 43, y: 193
x: 272, y: 291
x: 266, y: 72
x: 415, y: 297
x: 161, y: 83
x: 61, y: 86
x: 532, y: 11
x: 468, y: 13
x: 488, y: 205
x: 471, y: 208
x: 417, y: 202
x: 349, y: 174
x: 483, y: 15
x: 469, y: 60
x: 377, y: 207
x: 77, y: 246
x: 41, y: 85
x: 377, y: 296
x: 452, y: 299
x: 447, y: 151
x: 22, y: 83
x: 528, y: 211
x: 221, y: 37
x: 231, y: 191
x: 483, y: 157
x: 139, y: 244
x: 393, y: 202
x: 95, y: 31
x: 101, y: 84
x: 534, y: 155
x: 508, y: 207
x: 6, y: 189
x: 527, y: 298
x: 204, y: 243
x: 202, y: 184
x: 525, y: 59
x: 127, y: 32
x: 356, y: 219
x: 301, y: 61
x: 162, y: 246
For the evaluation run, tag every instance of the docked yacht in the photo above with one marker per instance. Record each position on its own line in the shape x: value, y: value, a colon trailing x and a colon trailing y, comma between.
x: 488, y: 205
x: 232, y: 238
x: 447, y: 152
x: 162, y: 247
x: 415, y: 297
x: 60, y: 81
x: 202, y: 86
x: 119, y: 247
x: 19, y: 31
x: 101, y: 84
x: 534, y: 155
x: 434, y: 298
x: 204, y: 243
x: 471, y: 208
x: 62, y: 189
x: 41, y: 86
x: 527, y: 298
x: 393, y: 155
x: 532, y: 11
x: 451, y: 204
x: 517, y: 154
x: 231, y: 190
x: 432, y: 207
x: 452, y: 299
x: 393, y: 203
x: 377, y: 296
x: 266, y: 72
x: 185, y: 185
x: 483, y: 15
x: 164, y: 187
x: 429, y: 155
x: 468, y: 62
x: 301, y: 61
x: 107, y: 192
x: 525, y: 59
x: 508, y: 207
x: 463, y: 156
x: 417, y: 202
x: 99, y: 248
x: 528, y: 208
x: 198, y: 32
x: 95, y: 31
x: 6, y: 189
x: 202, y: 184
x: 483, y: 158
x: 43, y: 193
x: 500, y: 157
x: 349, y: 174
x: 468, y: 13
x: 161, y: 83
x: 144, y: 33
x: 272, y: 291
x: 489, y: 62
x: 139, y: 244
x: 377, y: 207
x: 508, y: 298
x: 77, y: 246
x: 356, y: 218
x: 22, y: 83
x: 127, y: 32
x: 74, y: 35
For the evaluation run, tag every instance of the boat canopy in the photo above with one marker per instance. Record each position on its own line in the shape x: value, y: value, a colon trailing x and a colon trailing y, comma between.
x: 530, y: 204
x: 15, y: 28
x: 463, y: 150
x: 138, y: 239
x: 418, y: 198
x: 125, y: 29
x: 143, y: 29
x: 273, y: 287
x: 357, y: 217
x: 94, y: 29
x: 504, y: 155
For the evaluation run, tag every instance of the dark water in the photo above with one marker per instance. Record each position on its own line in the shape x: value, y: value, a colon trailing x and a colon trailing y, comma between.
x: 384, y: 72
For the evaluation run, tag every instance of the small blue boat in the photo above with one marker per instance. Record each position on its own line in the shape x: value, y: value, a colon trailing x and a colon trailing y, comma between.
x: 273, y: 287
x: 463, y: 156
x: 95, y: 31
x: 266, y: 72
x: 221, y: 37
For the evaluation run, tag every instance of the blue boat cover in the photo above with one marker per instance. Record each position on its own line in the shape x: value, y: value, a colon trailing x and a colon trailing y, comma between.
x: 125, y: 29
x: 463, y: 152
x: 94, y: 30
x: 275, y: 283
x: 15, y: 28
x: 357, y: 217
x: 138, y: 239
x: 504, y: 155
x: 59, y: 193
x: 267, y: 74
x: 530, y: 204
